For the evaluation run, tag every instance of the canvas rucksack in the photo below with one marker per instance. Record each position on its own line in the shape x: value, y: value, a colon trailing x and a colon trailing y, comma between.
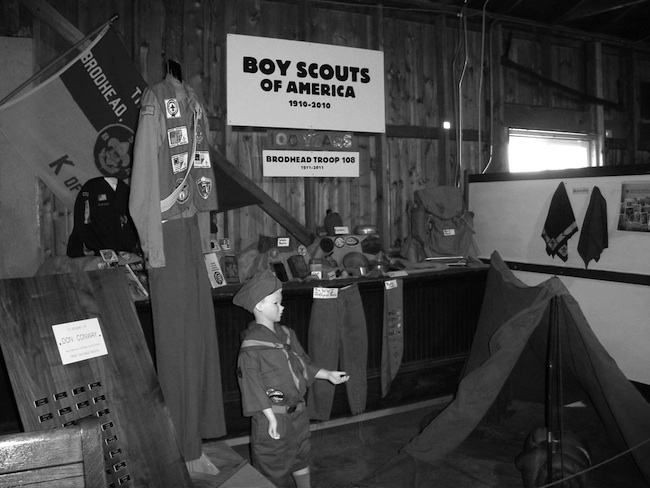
x: 441, y: 224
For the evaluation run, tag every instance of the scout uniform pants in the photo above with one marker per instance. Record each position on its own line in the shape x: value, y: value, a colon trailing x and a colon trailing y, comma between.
x: 338, y: 340
x: 187, y: 351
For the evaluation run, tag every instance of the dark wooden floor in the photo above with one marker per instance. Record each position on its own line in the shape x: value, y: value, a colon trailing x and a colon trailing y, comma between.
x: 345, y: 456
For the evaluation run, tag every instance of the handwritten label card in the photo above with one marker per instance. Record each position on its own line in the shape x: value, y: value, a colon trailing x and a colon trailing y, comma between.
x: 321, y: 292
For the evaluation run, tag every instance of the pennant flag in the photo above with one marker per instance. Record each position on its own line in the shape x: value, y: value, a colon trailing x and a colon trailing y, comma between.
x: 80, y: 123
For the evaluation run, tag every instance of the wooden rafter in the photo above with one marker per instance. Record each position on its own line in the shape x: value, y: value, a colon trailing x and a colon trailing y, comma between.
x: 559, y: 86
x: 589, y: 8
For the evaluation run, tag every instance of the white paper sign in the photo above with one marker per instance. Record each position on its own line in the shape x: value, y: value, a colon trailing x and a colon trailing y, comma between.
x: 213, y: 267
x: 325, y: 293
x: 390, y: 284
x: 80, y: 340
x: 293, y: 84
x: 310, y: 163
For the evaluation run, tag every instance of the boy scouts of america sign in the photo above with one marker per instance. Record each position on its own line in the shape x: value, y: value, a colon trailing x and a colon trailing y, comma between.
x: 293, y: 84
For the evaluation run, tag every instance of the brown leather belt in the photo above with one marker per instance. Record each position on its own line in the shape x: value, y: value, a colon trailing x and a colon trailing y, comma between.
x: 287, y: 408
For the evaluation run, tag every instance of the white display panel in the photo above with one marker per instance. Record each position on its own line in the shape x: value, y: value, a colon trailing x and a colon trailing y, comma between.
x: 293, y: 84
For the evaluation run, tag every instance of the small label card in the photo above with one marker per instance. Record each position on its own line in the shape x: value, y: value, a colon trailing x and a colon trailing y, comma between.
x: 80, y: 340
x: 390, y: 284
x: 321, y: 292
x: 215, y: 273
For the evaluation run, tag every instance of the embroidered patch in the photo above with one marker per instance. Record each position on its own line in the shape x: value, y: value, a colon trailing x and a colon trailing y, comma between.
x: 276, y: 396
x: 147, y: 110
x: 172, y: 110
x: 199, y: 133
x: 204, y: 186
x: 179, y: 162
x: 202, y: 159
x: 177, y: 136
x: 184, y: 193
x: 351, y: 241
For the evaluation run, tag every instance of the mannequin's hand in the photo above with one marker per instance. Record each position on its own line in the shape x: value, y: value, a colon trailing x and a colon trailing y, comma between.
x: 273, y: 423
x: 273, y: 430
x: 338, y: 377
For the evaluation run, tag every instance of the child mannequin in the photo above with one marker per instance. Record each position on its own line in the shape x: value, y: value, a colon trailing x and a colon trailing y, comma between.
x: 273, y: 373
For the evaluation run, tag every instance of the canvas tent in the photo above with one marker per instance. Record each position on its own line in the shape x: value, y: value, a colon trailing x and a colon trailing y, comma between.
x: 513, y: 325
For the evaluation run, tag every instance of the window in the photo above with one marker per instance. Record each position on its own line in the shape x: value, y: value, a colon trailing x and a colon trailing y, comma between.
x: 538, y: 150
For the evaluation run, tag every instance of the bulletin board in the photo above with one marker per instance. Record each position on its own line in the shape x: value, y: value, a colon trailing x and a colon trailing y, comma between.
x: 74, y: 348
x: 510, y: 211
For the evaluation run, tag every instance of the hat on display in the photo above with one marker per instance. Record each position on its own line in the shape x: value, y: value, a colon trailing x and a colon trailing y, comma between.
x: 261, y: 285
x: 371, y: 245
x: 326, y: 245
x: 357, y: 263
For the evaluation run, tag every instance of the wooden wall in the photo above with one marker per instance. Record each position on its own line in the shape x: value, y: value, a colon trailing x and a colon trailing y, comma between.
x: 438, y: 67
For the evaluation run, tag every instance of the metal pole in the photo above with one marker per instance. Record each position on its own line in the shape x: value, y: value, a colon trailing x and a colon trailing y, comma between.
x: 56, y: 60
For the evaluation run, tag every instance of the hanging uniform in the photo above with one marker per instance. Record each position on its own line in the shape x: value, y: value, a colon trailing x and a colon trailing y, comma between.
x: 101, y: 219
x: 338, y: 335
x: 171, y: 148
x: 172, y: 192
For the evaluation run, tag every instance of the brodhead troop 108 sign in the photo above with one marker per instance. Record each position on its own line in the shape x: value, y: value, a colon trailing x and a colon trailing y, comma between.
x: 293, y: 84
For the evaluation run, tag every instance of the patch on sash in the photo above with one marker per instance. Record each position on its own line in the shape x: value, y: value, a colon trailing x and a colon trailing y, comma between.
x: 177, y: 136
x: 199, y: 133
x: 202, y: 159
x: 172, y: 110
x: 184, y: 193
x: 204, y: 186
x: 179, y: 162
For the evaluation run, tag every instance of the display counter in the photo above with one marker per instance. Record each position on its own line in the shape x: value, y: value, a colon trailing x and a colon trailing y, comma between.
x: 441, y: 309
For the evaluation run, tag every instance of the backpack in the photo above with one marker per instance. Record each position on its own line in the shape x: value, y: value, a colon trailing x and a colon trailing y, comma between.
x: 441, y: 224
x: 102, y: 220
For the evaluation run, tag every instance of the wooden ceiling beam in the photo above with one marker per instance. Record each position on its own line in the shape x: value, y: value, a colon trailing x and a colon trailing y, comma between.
x: 49, y: 15
x: 588, y: 8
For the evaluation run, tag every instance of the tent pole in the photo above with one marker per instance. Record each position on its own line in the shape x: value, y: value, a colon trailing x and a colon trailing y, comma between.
x: 551, y: 387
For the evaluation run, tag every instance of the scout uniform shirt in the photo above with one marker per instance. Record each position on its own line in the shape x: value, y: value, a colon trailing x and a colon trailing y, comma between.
x: 263, y: 372
x: 172, y: 175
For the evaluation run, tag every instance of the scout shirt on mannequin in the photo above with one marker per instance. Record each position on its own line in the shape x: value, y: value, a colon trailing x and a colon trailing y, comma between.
x: 172, y: 186
x: 161, y: 126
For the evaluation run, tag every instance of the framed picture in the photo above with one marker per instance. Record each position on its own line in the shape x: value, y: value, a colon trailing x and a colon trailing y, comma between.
x: 230, y: 269
x: 635, y: 206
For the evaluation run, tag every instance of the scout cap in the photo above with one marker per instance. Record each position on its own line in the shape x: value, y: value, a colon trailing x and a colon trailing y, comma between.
x: 261, y: 285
